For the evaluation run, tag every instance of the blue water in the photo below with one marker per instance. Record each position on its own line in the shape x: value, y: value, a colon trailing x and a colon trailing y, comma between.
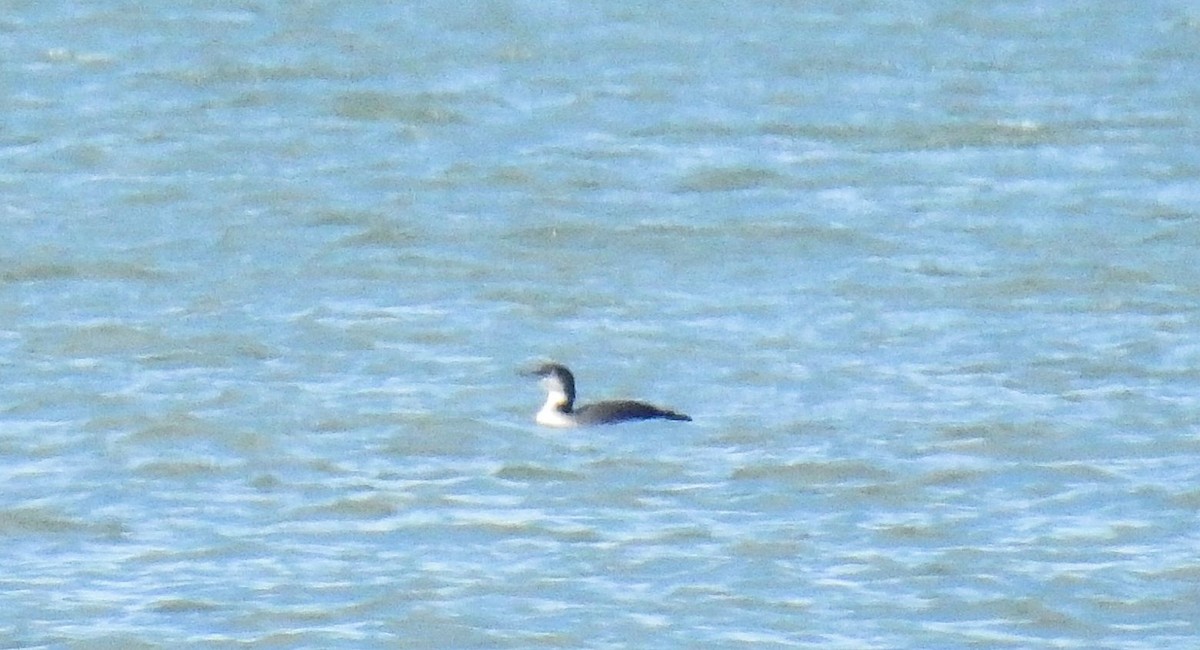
x: 923, y: 273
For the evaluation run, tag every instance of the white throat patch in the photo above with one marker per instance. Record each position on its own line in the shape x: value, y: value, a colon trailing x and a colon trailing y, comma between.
x: 550, y: 415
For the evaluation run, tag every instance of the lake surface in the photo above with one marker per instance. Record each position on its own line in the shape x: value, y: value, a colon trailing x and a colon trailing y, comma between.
x: 924, y: 274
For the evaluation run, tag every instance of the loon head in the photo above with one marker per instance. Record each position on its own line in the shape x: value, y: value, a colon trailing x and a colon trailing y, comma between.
x: 559, y: 384
x: 560, y: 395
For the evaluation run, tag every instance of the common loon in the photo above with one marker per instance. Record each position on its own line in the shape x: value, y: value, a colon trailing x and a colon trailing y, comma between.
x: 559, y: 409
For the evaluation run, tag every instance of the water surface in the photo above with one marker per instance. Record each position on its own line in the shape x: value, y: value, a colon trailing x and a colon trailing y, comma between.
x: 922, y: 273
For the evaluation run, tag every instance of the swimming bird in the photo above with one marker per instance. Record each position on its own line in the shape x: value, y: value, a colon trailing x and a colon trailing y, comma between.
x: 559, y: 409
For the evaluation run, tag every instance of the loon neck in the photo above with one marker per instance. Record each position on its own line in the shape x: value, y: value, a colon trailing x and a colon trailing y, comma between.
x: 559, y: 401
x: 556, y: 412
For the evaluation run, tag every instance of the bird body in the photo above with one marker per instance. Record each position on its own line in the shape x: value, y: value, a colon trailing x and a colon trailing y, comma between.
x: 559, y: 409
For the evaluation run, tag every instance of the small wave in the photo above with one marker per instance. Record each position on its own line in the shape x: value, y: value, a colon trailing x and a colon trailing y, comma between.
x: 530, y: 473
x: 425, y: 109
x: 46, y: 271
x: 43, y: 521
x: 184, y: 606
x: 179, y: 468
x: 813, y: 472
x: 727, y: 179
x: 372, y: 506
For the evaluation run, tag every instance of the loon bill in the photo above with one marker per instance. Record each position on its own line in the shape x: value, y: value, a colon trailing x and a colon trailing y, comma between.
x: 559, y: 409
